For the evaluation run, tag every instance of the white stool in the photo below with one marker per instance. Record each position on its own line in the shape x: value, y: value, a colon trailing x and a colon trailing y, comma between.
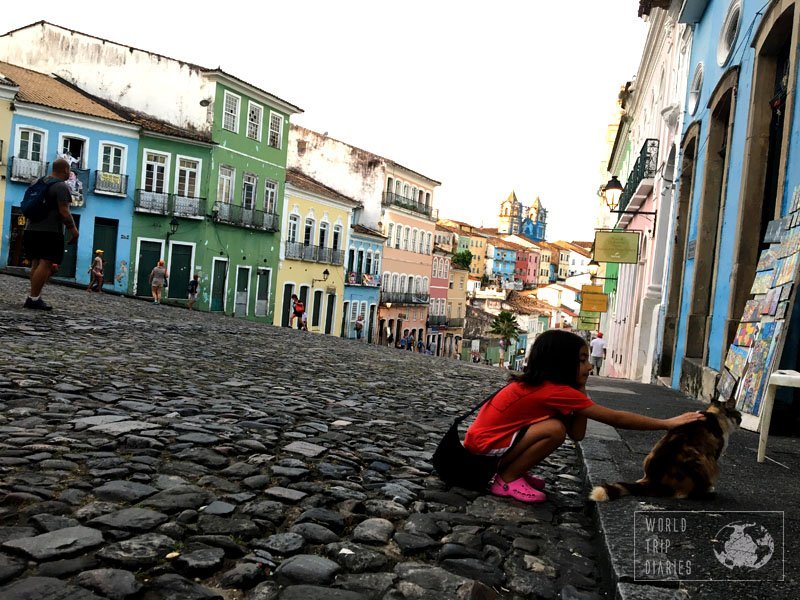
x: 783, y: 378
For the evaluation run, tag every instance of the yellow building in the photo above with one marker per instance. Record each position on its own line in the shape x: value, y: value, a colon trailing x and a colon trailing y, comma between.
x: 456, y: 311
x: 8, y: 90
x: 314, y: 235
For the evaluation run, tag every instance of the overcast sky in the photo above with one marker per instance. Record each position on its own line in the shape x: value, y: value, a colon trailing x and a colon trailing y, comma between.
x: 485, y: 97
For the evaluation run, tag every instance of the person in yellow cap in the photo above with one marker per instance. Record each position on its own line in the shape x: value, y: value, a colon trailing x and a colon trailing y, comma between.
x: 96, y: 272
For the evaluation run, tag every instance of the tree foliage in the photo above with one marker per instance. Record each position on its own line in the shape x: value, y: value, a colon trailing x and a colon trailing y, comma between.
x: 463, y: 259
x: 505, y: 325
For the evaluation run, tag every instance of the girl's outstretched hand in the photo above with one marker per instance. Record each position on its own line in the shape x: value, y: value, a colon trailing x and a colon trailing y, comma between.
x: 689, y: 417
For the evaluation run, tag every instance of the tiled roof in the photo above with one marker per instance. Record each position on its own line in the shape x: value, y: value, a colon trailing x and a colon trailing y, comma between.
x: 524, y: 304
x: 448, y: 228
x: 366, y: 231
x: 44, y: 90
x: 304, y: 182
x: 7, y: 82
x: 569, y: 311
x: 645, y: 6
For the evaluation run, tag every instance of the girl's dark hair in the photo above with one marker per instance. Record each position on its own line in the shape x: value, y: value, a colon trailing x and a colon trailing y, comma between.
x: 554, y: 357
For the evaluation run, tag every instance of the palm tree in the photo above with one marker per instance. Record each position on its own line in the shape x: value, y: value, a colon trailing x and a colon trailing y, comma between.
x: 505, y: 325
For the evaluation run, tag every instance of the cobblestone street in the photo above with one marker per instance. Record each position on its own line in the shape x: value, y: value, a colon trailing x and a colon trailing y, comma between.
x: 151, y: 452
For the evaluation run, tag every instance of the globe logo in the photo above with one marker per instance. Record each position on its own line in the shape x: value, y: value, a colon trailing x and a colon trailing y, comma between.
x: 741, y: 545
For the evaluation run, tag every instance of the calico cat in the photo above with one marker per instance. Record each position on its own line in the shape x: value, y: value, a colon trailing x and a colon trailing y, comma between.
x: 683, y: 464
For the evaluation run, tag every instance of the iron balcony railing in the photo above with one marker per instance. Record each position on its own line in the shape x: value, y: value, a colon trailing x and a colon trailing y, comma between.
x: 110, y: 183
x: 455, y: 321
x: 364, y: 279
x: 437, y: 320
x: 319, y: 254
x: 159, y: 203
x: 405, y: 297
x: 251, y: 218
x: 391, y: 199
x: 644, y: 168
x: 26, y: 170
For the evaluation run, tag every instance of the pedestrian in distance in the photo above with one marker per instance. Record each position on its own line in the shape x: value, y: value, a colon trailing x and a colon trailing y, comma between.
x: 597, y: 349
x: 158, y: 281
x: 420, y: 346
x: 194, y: 284
x: 96, y: 272
x: 298, y: 308
x: 358, y: 326
x: 402, y: 343
x: 532, y: 416
x: 43, y: 239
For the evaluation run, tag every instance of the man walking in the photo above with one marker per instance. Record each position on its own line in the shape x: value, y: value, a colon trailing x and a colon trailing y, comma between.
x: 598, y: 352
x: 43, y: 241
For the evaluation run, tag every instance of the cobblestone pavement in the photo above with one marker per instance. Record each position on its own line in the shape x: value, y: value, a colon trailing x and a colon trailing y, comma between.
x: 151, y: 452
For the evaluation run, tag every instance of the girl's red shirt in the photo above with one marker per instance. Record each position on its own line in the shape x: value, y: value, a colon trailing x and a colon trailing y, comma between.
x: 516, y: 406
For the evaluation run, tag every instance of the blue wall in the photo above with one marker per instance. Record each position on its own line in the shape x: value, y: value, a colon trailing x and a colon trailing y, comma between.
x: 704, y: 49
x: 364, y: 293
x: 95, y: 205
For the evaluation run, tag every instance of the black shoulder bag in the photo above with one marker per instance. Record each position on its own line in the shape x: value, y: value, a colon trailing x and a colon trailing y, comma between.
x: 457, y: 466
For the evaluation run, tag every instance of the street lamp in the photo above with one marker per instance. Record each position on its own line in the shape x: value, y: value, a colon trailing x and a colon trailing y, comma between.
x: 612, y: 192
x: 593, y: 267
x: 173, y: 227
x: 325, y: 275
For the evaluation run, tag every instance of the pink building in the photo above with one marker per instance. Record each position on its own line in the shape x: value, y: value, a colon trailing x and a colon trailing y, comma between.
x: 440, y: 285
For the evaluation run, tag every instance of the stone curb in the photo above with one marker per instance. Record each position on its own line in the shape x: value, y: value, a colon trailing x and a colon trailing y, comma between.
x: 612, y: 521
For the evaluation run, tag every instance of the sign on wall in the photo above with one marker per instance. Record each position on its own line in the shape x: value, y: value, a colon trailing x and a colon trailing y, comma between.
x: 594, y: 303
x: 616, y: 246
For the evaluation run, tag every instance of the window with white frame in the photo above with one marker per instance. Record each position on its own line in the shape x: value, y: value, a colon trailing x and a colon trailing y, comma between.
x: 270, y: 195
x: 255, y: 115
x: 275, y: 130
x: 424, y: 285
x: 376, y: 261
x: 230, y: 112
x: 410, y: 285
x: 155, y: 172
x: 30, y: 145
x: 446, y: 266
x: 432, y: 307
x: 406, y: 238
x: 394, y: 282
x: 323, y: 234
x: 385, y: 282
x: 74, y: 150
x: 336, y: 240
x: 403, y: 283
x: 414, y: 240
x: 111, y: 158
x: 308, y: 233
x: 249, y: 185
x: 294, y: 227
x: 398, y: 235
x: 225, y: 184
x: 391, y: 231
x: 188, y: 170
x: 428, y: 244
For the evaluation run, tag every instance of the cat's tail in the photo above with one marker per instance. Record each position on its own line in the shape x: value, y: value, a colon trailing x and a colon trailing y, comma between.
x: 613, y: 491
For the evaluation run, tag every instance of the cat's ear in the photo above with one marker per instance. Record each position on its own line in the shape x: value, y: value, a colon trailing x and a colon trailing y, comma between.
x: 730, y: 403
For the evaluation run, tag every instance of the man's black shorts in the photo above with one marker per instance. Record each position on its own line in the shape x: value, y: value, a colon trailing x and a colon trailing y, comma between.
x: 44, y: 245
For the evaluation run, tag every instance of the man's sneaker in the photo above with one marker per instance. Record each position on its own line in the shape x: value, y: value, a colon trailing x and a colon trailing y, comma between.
x: 37, y: 304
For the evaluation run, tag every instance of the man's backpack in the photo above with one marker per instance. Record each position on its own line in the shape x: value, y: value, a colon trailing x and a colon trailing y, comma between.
x: 34, y: 203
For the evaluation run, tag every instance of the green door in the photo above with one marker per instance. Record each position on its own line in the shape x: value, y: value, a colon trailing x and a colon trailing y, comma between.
x: 105, y: 239
x: 149, y: 255
x: 218, y: 277
x: 68, y: 266
x: 180, y: 271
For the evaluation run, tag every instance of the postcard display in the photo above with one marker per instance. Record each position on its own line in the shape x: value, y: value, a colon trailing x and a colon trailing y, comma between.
x: 762, y: 331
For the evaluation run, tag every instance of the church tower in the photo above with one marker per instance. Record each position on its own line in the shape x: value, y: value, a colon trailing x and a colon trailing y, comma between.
x: 510, y: 219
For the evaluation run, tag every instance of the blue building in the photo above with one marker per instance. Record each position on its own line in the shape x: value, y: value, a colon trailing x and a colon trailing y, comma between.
x: 52, y: 120
x: 503, y: 260
x: 363, y: 280
x: 739, y: 168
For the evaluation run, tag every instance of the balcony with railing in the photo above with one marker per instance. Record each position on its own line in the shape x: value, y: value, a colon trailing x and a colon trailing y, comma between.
x: 239, y: 216
x: 437, y: 320
x: 405, y: 297
x: 363, y: 279
x: 27, y: 171
x: 318, y: 254
x: 115, y: 184
x: 641, y: 178
x: 455, y: 321
x: 158, y: 203
x: 391, y: 199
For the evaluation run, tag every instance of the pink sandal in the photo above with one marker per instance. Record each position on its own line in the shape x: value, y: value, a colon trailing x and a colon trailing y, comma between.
x: 534, y: 481
x: 517, y: 489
